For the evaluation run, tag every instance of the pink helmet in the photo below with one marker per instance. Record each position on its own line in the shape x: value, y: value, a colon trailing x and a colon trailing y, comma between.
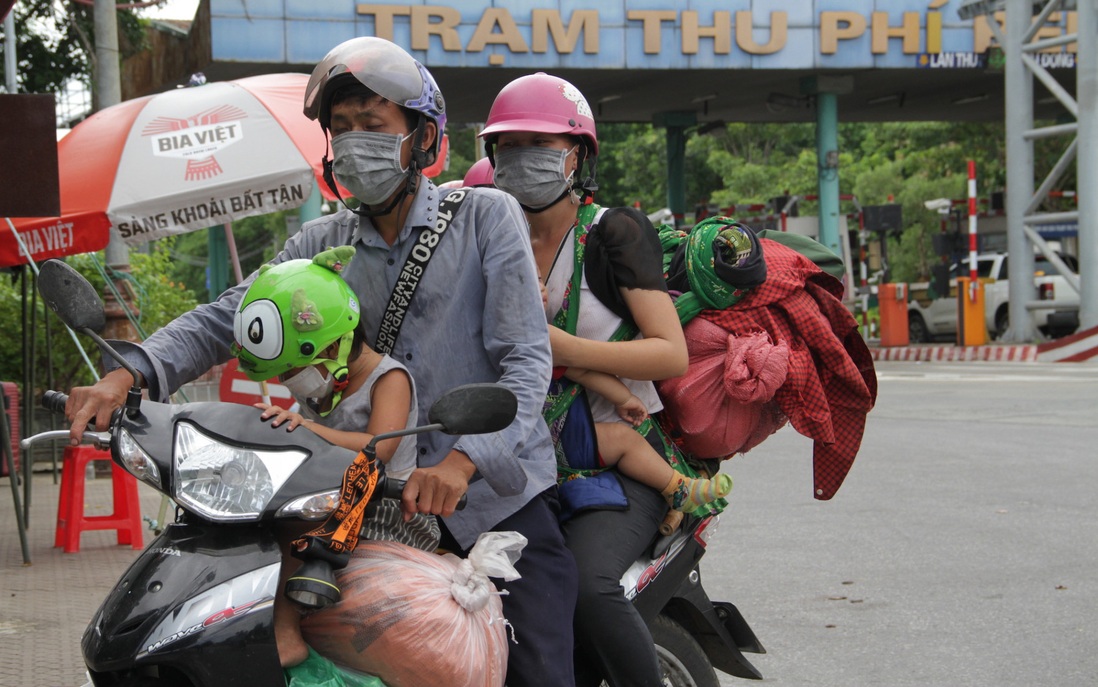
x: 480, y: 174
x: 545, y: 104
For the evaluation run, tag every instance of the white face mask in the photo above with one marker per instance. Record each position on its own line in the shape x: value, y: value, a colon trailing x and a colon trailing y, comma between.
x: 309, y: 384
x: 533, y: 175
x: 367, y: 163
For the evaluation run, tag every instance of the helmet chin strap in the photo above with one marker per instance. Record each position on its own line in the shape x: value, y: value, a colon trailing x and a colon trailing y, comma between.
x: 340, y: 371
x: 534, y: 211
x: 588, y: 186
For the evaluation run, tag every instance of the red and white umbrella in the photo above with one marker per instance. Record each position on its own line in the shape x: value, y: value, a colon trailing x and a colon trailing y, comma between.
x: 178, y: 161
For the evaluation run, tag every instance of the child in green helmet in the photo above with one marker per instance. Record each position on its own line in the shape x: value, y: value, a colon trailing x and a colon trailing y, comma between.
x: 299, y: 322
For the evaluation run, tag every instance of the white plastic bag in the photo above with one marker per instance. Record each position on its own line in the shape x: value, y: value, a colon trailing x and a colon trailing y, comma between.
x: 417, y: 619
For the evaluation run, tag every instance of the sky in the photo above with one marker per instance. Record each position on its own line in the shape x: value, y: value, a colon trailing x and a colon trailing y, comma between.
x: 173, y: 9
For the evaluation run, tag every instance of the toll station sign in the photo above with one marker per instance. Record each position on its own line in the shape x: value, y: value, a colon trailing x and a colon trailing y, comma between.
x: 629, y: 34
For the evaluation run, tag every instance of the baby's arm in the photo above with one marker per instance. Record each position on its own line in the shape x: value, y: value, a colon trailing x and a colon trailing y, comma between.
x: 392, y: 402
x: 629, y: 407
x: 352, y: 440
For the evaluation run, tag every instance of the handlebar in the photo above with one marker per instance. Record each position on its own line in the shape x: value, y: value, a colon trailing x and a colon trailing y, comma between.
x: 54, y: 401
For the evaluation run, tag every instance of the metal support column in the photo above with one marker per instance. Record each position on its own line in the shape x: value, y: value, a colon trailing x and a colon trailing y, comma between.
x: 1020, y: 43
x: 1019, y: 175
x: 1086, y: 94
x: 310, y: 209
x: 108, y: 91
x: 217, y: 269
x: 827, y: 156
x: 826, y: 91
x: 11, y: 64
x: 676, y: 124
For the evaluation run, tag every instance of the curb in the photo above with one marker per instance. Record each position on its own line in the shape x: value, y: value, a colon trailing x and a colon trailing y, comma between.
x: 1026, y: 353
x: 1078, y: 347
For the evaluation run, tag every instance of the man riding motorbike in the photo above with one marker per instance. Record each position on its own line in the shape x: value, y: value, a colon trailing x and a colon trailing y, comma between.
x: 448, y: 287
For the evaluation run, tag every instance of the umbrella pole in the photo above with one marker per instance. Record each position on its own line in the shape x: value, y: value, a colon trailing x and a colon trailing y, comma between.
x: 28, y: 463
x: 28, y: 393
x: 231, y: 241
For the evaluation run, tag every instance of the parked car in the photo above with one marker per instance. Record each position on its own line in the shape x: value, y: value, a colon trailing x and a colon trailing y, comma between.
x: 932, y: 316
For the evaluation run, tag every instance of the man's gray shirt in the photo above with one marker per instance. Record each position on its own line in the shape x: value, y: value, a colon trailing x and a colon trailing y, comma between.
x: 476, y: 316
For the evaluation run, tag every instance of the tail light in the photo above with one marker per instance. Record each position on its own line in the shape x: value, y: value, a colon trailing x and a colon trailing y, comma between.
x: 1048, y: 292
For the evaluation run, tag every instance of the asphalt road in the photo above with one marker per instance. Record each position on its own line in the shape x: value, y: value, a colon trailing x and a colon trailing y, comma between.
x: 961, y: 550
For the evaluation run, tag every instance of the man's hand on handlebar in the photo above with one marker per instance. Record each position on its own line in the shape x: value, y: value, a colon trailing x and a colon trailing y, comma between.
x: 436, y: 489
x: 96, y: 403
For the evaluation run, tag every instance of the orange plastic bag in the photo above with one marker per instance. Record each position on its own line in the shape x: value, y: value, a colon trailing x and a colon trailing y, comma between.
x: 417, y: 619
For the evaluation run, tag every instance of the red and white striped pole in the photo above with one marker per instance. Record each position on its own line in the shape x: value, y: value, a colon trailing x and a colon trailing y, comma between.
x: 972, y: 230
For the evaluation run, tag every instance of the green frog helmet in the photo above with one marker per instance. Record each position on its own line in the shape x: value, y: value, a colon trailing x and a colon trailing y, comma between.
x: 292, y: 312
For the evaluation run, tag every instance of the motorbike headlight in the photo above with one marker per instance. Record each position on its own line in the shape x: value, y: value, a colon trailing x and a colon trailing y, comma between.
x: 224, y: 482
x: 137, y: 462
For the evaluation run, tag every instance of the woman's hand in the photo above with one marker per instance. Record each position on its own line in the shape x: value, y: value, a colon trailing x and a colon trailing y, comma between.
x: 280, y: 415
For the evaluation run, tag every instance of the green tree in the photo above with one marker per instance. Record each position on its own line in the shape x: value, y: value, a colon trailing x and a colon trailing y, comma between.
x: 463, y: 153
x: 55, y: 43
x: 158, y: 298
x: 632, y: 166
x: 258, y: 239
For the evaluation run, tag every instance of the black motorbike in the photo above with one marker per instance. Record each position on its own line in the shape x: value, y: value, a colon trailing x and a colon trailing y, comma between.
x: 195, y: 609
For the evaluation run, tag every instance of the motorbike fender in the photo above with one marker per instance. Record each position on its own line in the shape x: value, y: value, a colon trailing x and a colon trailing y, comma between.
x: 661, y: 581
x: 719, y: 628
x: 198, y: 601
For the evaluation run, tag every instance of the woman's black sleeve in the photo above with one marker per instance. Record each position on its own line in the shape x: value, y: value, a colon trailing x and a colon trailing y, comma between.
x: 623, y: 252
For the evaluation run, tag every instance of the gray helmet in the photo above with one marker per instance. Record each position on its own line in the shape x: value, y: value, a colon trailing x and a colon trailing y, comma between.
x: 383, y: 67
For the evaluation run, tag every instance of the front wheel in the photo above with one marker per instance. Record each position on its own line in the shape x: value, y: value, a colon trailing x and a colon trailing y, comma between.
x: 683, y: 663
x: 1002, y: 321
x: 917, y: 331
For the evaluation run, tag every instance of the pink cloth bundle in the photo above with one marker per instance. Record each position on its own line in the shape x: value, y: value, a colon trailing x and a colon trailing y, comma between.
x: 724, y: 404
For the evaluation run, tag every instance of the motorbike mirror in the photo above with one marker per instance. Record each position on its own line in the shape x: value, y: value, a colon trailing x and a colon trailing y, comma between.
x: 67, y: 293
x: 474, y: 409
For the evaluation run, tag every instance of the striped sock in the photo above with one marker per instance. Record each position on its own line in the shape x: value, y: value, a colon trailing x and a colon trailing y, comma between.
x: 687, y: 494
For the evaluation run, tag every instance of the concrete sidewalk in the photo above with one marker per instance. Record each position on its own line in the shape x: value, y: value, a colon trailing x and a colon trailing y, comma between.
x: 45, y: 606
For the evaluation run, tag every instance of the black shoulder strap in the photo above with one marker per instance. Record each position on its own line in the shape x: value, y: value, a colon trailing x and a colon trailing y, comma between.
x: 413, y: 270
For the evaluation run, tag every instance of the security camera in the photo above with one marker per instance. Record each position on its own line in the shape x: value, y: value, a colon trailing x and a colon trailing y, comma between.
x: 939, y: 204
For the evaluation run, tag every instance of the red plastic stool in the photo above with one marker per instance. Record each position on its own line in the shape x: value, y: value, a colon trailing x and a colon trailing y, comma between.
x: 71, y: 520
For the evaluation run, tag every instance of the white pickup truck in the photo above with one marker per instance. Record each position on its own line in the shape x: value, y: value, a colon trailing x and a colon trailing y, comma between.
x: 931, y: 318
